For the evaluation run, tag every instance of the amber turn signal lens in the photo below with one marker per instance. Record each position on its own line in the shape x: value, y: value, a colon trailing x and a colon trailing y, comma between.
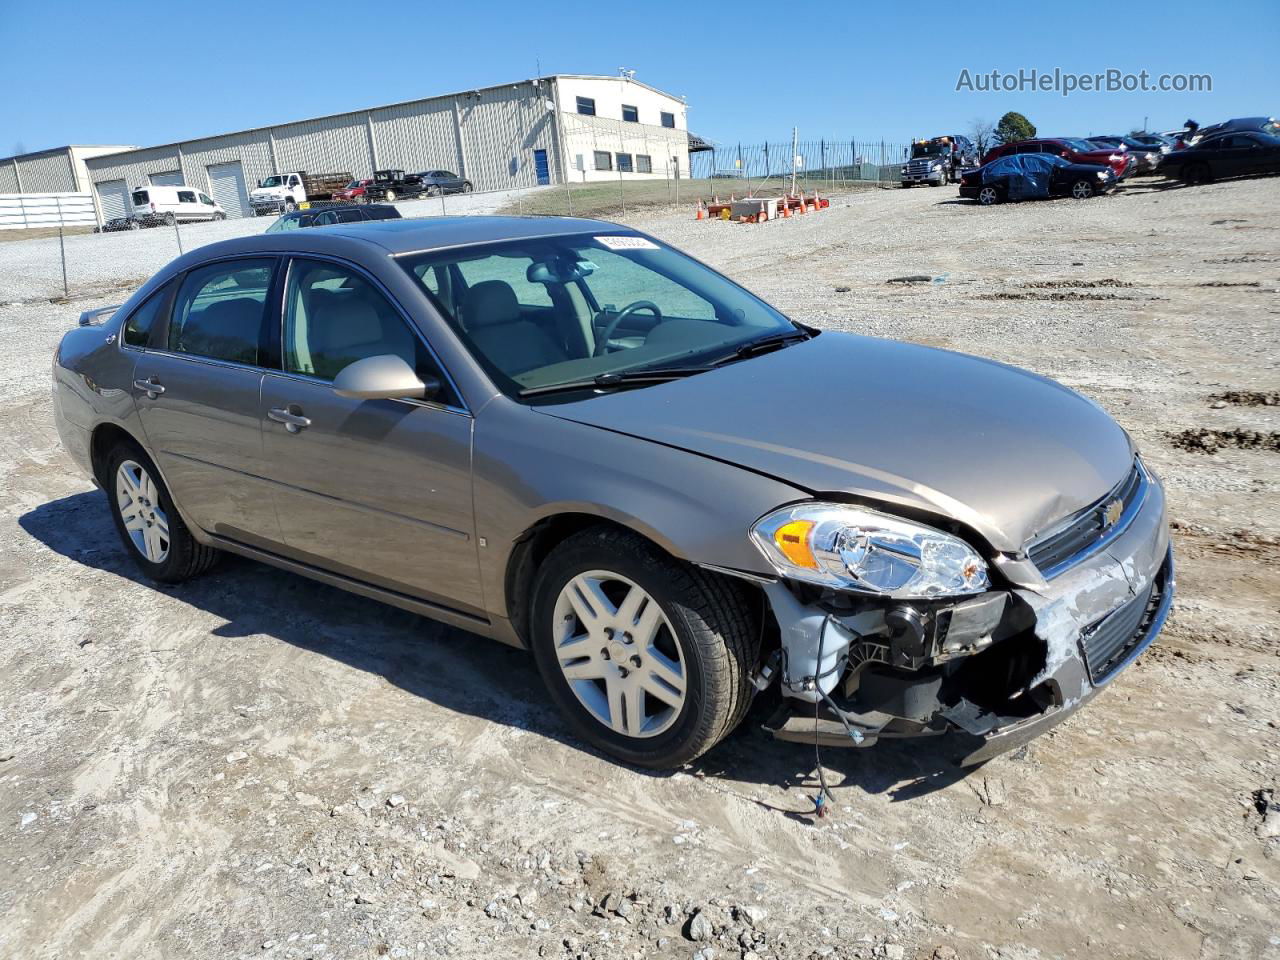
x: 793, y: 540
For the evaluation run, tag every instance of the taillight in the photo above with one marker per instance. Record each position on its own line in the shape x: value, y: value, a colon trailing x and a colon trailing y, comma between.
x: 153, y: 207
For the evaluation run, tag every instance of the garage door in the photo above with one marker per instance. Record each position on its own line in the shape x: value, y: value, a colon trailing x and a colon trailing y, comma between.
x: 113, y: 197
x: 170, y: 178
x: 226, y: 185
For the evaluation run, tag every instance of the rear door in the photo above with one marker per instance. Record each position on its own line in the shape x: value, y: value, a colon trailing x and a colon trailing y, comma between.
x: 197, y: 386
x: 376, y: 490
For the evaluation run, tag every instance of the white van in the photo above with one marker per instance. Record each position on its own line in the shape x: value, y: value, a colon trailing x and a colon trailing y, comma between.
x: 154, y: 205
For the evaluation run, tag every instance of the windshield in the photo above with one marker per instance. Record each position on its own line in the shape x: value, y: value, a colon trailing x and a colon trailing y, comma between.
x: 930, y: 149
x: 283, y: 224
x: 272, y: 182
x: 355, y: 183
x: 555, y: 310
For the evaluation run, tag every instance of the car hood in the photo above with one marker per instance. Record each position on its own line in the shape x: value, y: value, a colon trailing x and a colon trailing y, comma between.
x: 1003, y: 451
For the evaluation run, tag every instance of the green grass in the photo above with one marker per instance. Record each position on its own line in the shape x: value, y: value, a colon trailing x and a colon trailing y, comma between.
x: 612, y: 200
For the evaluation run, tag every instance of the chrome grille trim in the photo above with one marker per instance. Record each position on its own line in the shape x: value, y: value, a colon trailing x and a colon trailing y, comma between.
x: 1083, y: 533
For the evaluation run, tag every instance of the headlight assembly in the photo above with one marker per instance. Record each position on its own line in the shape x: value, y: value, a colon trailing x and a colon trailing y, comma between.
x: 853, y: 548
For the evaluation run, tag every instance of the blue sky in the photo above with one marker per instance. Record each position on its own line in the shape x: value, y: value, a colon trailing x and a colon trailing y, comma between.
x: 142, y: 72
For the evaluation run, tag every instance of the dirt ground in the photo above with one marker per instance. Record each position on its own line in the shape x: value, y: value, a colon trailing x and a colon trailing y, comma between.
x: 253, y: 765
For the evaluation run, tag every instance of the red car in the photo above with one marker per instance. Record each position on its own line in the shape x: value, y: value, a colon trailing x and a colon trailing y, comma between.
x: 355, y: 192
x: 1069, y: 148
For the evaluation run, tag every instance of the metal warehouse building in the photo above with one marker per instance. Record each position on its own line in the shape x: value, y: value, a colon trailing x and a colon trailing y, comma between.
x: 61, y: 170
x: 513, y: 135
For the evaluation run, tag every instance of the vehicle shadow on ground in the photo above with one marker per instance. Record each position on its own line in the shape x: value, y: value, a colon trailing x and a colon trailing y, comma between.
x: 460, y: 671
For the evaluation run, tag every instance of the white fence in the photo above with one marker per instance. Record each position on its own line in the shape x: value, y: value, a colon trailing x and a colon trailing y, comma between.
x: 21, y: 211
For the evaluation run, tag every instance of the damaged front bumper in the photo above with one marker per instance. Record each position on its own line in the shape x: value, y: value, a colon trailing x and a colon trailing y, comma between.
x: 1000, y: 668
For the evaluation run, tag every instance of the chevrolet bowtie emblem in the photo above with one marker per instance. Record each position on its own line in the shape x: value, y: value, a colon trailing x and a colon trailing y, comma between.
x: 1111, y: 513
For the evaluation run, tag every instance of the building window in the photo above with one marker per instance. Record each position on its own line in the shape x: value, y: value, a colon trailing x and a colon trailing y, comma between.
x: 587, y: 106
x: 669, y: 120
x: 604, y: 160
x: 630, y: 114
x: 624, y: 163
x: 644, y: 163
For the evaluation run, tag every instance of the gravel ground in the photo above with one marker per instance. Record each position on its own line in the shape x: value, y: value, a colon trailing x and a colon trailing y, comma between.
x: 104, y: 262
x: 256, y: 765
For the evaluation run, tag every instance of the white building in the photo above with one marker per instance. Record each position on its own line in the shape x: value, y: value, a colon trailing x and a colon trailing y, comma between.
x: 618, y: 126
x: 519, y: 134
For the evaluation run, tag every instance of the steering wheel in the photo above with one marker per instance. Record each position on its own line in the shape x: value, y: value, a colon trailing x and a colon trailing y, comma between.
x: 602, y: 344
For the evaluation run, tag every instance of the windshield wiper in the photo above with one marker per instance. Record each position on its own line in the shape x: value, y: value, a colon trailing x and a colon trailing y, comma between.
x: 762, y: 345
x: 621, y: 378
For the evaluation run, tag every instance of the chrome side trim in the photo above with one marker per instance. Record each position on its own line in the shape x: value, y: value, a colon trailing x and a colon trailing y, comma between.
x: 1109, y: 536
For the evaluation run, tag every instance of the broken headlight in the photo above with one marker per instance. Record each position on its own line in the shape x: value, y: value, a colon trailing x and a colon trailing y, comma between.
x: 853, y: 548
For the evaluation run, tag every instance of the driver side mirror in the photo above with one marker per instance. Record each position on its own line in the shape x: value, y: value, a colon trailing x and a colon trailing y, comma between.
x: 384, y: 377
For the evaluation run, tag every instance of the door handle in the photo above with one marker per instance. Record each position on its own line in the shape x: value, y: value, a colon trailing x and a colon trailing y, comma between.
x: 149, y: 387
x: 293, y: 422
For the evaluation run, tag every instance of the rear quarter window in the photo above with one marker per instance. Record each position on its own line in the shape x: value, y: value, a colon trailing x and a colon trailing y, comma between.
x: 138, y: 328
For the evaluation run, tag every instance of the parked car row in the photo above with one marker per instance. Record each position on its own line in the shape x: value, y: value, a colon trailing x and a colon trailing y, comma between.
x: 1081, y: 167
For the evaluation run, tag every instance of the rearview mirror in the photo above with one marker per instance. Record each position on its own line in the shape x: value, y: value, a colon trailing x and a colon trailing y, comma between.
x: 384, y: 377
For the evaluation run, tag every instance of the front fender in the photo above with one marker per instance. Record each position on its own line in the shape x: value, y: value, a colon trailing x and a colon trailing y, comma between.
x: 529, y: 467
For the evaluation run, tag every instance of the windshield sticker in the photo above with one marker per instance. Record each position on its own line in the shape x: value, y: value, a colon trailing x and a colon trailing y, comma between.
x: 626, y: 243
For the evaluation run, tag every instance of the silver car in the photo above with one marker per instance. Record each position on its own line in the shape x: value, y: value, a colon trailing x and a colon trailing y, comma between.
x: 565, y: 435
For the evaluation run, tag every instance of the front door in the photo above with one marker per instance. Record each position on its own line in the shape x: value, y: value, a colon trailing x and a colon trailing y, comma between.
x: 378, y: 490
x: 197, y: 387
x: 541, y: 168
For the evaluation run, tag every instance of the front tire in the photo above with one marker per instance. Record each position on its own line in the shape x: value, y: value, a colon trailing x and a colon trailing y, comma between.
x: 389, y: 196
x: 1194, y: 173
x: 1082, y: 190
x: 467, y: 188
x: 149, y: 525
x: 646, y: 656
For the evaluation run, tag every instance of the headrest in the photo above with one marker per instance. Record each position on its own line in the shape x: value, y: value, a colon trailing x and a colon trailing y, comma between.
x: 490, y: 303
x: 342, y: 322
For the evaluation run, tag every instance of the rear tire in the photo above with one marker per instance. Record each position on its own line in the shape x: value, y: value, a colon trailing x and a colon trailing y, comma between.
x: 989, y: 196
x: 170, y: 219
x: 149, y: 525
x: 695, y: 643
x: 389, y: 196
x: 467, y: 188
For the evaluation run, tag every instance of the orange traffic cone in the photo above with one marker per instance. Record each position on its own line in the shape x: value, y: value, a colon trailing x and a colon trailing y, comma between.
x: 700, y: 213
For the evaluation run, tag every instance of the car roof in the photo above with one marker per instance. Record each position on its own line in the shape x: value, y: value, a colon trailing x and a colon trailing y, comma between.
x: 397, y: 236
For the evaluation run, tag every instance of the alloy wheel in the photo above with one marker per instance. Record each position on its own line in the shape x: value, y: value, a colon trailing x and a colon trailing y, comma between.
x: 1081, y: 190
x: 987, y: 196
x: 138, y: 500
x: 618, y: 653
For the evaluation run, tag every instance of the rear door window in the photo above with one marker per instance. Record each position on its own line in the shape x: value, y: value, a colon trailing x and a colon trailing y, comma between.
x: 219, y: 310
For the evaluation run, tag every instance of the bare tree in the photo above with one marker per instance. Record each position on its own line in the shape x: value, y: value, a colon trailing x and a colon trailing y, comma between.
x: 981, y: 132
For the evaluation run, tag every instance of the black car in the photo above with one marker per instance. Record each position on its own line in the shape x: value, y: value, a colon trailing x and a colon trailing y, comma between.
x: 391, y: 185
x: 116, y: 224
x: 323, y: 216
x: 1225, y: 155
x: 1267, y: 125
x: 436, y: 182
x: 1034, y: 176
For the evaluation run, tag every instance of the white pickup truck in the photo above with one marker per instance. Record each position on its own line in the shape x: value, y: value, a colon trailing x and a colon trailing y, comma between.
x: 286, y: 191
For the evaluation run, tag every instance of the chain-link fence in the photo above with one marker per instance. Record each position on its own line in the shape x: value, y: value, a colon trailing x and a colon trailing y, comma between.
x: 608, y: 170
